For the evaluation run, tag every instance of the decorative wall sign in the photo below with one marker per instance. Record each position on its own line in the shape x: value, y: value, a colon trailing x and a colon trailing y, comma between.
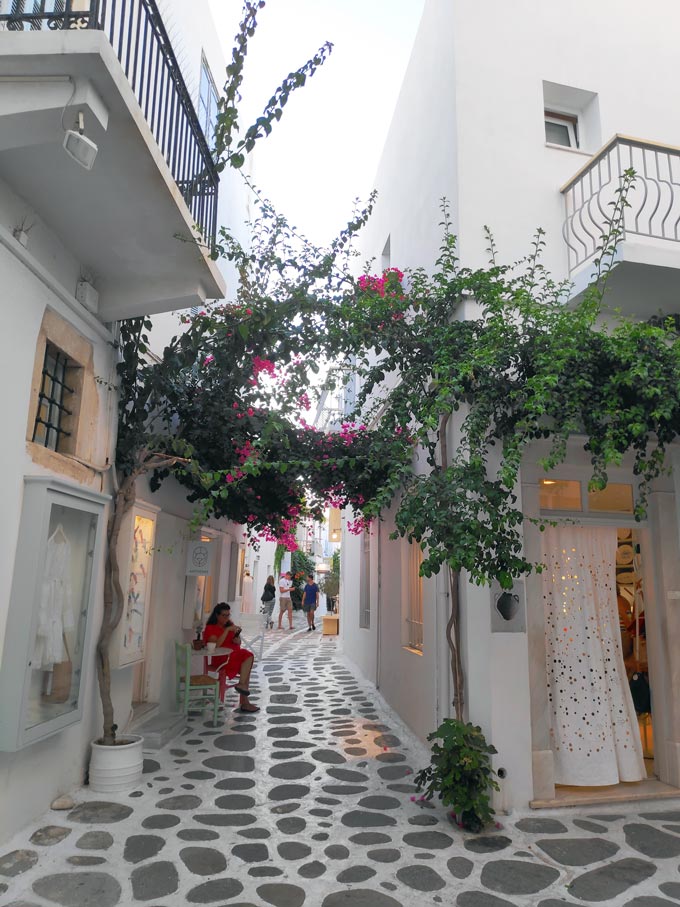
x: 199, y: 554
x: 138, y: 591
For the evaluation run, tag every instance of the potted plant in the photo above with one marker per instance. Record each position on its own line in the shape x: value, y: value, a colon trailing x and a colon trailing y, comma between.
x: 460, y: 773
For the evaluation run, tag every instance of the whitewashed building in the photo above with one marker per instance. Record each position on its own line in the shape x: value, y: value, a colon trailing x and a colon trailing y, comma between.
x: 523, y: 115
x: 106, y: 112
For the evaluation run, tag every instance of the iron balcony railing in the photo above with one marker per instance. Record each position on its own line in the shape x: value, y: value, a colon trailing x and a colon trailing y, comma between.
x: 653, y: 203
x: 139, y: 38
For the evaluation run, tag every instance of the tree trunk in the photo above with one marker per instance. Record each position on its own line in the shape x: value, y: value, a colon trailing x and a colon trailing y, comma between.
x: 453, y: 625
x: 113, y: 602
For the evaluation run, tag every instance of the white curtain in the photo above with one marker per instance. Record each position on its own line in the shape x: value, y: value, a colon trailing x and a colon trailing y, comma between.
x: 595, y: 737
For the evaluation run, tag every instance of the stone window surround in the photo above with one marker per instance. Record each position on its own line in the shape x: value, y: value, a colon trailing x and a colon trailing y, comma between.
x: 84, y: 403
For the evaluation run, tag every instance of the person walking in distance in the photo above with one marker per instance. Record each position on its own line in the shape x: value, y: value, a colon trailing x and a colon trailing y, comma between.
x: 310, y: 601
x: 285, y: 601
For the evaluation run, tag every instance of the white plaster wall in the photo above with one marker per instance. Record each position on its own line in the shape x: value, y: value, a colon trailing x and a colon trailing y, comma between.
x: 358, y: 643
x: 31, y: 778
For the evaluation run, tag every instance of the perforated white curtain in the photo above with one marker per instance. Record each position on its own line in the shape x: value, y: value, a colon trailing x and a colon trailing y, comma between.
x: 595, y: 737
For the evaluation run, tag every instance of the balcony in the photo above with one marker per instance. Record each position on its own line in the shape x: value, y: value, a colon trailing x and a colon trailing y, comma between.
x: 646, y: 278
x: 154, y: 180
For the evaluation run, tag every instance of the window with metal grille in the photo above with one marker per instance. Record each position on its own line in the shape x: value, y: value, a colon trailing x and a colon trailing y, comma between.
x: 365, y: 582
x: 55, y: 400
x: 414, y: 615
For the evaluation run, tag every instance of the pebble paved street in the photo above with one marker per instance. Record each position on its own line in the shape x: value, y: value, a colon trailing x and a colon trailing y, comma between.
x: 311, y: 802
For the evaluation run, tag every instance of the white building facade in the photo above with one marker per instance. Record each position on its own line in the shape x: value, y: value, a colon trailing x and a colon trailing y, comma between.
x: 91, y: 234
x: 523, y: 115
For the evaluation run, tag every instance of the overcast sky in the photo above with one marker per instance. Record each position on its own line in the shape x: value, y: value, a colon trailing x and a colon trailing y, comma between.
x: 325, y: 150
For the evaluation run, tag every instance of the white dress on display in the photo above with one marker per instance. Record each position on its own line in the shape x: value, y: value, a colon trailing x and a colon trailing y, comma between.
x: 247, y: 595
x: 55, y: 614
x: 594, y: 733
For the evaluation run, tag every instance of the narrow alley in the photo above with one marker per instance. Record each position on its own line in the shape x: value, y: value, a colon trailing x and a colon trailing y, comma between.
x: 312, y: 802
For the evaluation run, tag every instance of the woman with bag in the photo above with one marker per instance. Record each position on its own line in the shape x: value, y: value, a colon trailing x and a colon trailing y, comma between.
x: 268, y: 598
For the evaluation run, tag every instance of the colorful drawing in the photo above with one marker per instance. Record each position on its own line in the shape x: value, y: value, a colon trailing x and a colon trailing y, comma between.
x: 138, y: 589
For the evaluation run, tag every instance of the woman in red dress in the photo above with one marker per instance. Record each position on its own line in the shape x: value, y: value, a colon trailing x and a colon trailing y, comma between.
x: 221, y: 630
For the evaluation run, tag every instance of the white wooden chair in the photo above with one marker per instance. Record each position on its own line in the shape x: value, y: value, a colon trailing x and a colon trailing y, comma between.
x: 253, y: 629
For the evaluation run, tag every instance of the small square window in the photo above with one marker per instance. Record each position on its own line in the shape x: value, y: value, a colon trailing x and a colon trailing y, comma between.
x: 615, y: 498
x: 561, y: 129
x: 56, y: 400
x: 560, y: 494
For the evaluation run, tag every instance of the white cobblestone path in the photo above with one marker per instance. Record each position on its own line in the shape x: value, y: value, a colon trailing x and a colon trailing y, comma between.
x: 311, y: 802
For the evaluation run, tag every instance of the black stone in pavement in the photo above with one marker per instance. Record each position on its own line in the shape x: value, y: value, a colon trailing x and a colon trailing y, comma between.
x: 203, y: 861
x: 649, y: 900
x: 357, y: 818
x: 95, y: 840
x: 251, y: 853
x: 197, y: 834
x: 49, y: 834
x: 369, y: 838
x: 291, y: 825
x: 672, y: 889
x: 390, y: 757
x: 254, y: 834
x: 359, y: 897
x: 181, y: 801
x: 289, y: 792
x: 199, y: 775
x: 215, y: 890
x: 312, y: 870
x: 590, y: 826
x: 329, y: 757
x: 280, y: 894
x: 431, y: 840
x: 650, y: 841
x: 387, y: 740
x: 337, y: 852
x: 149, y: 766
x: 423, y: 820
x: 226, y: 819
x: 160, y: 821
x: 420, y: 878
x: 235, y: 784
x: 292, y: 771
x: 345, y: 774
x: 384, y: 855
x: 378, y: 802
x: 141, y: 847
x: 238, y: 802
x: 481, y: 899
x: 17, y: 861
x: 460, y: 867
x: 235, y: 743
x: 153, y: 880
x: 293, y: 850
x: 79, y: 889
x: 607, y: 882
x: 517, y: 876
x: 578, y: 851
x: 99, y: 811
x: 241, y: 764
x: 395, y: 772
x: 668, y: 815
x: 487, y: 843
x: 537, y: 826
x: 355, y: 874
x: 262, y: 872
x: 85, y: 860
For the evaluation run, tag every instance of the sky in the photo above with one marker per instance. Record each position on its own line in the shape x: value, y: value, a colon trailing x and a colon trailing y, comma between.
x: 325, y: 150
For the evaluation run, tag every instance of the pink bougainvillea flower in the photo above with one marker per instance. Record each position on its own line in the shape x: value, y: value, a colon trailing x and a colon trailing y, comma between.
x: 208, y: 359
x: 230, y: 477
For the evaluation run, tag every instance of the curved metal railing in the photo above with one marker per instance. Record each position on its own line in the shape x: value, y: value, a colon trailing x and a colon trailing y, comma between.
x: 653, y: 208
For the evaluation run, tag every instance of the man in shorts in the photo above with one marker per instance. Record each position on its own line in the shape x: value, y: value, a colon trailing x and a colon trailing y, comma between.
x: 310, y: 601
x: 285, y: 602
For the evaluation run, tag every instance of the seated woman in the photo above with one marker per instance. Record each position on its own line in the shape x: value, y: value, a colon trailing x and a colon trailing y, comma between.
x: 221, y: 630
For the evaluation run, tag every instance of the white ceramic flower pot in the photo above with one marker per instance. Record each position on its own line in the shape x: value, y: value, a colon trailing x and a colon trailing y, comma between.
x: 116, y: 768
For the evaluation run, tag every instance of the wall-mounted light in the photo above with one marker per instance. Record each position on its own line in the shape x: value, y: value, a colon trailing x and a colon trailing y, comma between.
x: 79, y: 147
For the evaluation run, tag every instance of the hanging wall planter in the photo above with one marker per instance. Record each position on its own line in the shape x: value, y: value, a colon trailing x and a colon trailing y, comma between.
x: 118, y: 767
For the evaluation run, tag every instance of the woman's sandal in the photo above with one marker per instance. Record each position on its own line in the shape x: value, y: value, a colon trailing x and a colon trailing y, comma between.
x: 250, y: 708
